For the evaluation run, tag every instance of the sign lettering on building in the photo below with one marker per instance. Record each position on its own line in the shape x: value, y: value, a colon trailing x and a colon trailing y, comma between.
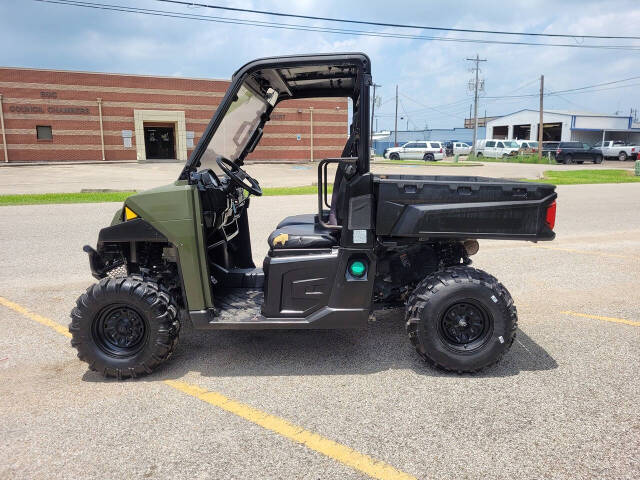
x: 48, y: 94
x: 51, y: 109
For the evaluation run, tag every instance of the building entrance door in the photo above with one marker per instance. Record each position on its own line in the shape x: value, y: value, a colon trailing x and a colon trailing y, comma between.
x: 159, y: 142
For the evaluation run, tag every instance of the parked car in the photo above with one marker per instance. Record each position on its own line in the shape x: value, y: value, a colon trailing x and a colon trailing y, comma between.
x: 617, y: 149
x: 461, y: 148
x: 496, y: 148
x: 528, y: 146
x: 577, y: 152
x: 549, y: 148
x: 427, y: 151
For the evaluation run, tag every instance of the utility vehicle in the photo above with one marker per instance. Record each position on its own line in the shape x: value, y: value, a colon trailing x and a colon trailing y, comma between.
x: 182, y: 252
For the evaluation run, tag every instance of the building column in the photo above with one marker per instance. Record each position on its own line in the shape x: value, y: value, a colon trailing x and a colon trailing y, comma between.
x: 4, y: 136
x: 101, y: 127
x: 509, y: 132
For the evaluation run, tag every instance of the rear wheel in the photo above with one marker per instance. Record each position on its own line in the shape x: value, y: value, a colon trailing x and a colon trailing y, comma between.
x: 461, y: 319
x: 568, y: 160
x: 394, y: 156
x: 479, y: 154
x: 597, y: 159
x: 622, y: 156
x: 428, y: 157
x: 124, y: 327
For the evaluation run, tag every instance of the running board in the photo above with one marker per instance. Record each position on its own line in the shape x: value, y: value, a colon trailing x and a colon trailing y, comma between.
x: 325, y: 318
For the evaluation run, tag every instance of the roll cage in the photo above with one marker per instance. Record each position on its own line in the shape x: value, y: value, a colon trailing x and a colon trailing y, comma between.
x: 299, y: 77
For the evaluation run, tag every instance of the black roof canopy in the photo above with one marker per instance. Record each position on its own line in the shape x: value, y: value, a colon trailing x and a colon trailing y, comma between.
x: 304, y: 76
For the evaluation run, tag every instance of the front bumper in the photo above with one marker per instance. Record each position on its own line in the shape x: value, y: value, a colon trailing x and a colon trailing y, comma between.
x: 96, y: 264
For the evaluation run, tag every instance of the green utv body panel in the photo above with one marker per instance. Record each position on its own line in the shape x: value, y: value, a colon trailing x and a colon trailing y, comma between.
x: 117, y: 217
x: 175, y: 211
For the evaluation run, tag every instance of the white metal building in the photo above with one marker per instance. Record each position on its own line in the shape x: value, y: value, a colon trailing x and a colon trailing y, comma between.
x: 565, y: 126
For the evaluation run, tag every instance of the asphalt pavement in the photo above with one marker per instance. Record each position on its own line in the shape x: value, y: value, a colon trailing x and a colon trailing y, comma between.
x: 563, y: 403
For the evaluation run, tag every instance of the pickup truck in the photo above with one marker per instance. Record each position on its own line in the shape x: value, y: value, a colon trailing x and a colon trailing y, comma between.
x: 617, y: 149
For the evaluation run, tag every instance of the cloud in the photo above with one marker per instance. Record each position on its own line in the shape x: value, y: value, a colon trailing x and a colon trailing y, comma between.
x: 428, y: 73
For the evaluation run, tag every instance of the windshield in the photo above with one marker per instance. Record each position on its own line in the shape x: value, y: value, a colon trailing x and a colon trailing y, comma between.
x: 511, y: 144
x: 238, y: 126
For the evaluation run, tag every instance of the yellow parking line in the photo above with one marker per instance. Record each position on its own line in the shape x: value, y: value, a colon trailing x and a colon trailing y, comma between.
x: 318, y: 443
x: 588, y: 252
x: 334, y: 450
x: 35, y: 317
x: 599, y: 317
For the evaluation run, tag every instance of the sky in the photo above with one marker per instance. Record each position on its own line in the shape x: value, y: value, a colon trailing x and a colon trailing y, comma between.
x: 432, y: 76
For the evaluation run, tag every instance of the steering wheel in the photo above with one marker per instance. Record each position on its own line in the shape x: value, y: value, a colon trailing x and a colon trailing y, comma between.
x: 238, y: 176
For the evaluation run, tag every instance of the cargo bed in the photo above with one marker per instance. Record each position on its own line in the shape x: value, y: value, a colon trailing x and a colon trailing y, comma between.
x: 428, y: 206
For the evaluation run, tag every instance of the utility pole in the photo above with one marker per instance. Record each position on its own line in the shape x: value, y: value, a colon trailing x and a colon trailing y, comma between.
x: 541, y: 127
x: 395, y: 141
x: 477, y: 61
x: 373, y: 109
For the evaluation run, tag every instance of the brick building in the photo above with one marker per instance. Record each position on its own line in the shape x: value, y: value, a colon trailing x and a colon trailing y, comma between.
x: 52, y: 115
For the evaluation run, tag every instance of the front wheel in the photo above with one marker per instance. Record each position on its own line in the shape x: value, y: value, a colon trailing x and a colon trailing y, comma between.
x: 124, y: 327
x: 394, y: 156
x: 461, y: 319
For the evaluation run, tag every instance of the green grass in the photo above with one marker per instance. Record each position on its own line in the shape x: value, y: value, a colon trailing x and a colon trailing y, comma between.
x: 84, y: 197
x: 306, y: 190
x: 516, y: 159
x: 579, y: 177
x: 98, y: 197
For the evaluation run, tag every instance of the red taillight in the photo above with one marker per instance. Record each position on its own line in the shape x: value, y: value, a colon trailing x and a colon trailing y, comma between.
x: 440, y: 150
x: 551, y: 215
x: 633, y: 149
x: 559, y: 150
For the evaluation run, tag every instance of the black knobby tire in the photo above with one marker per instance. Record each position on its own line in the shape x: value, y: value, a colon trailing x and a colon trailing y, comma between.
x: 492, y: 319
x: 124, y: 327
x: 428, y: 157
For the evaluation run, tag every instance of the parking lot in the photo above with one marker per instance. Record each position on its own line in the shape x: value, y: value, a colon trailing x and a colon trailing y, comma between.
x: 137, y: 176
x: 563, y: 403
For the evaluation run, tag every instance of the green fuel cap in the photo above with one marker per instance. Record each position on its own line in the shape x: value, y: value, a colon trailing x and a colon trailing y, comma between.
x: 357, y: 268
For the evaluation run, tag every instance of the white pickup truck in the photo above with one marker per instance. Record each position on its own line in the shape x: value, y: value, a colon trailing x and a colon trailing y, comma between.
x: 617, y: 149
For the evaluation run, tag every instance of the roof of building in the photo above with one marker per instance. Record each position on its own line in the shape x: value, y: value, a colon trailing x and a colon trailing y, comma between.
x: 566, y: 112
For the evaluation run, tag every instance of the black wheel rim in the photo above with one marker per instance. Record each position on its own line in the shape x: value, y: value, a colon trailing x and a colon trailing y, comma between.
x: 120, y: 331
x: 465, y: 326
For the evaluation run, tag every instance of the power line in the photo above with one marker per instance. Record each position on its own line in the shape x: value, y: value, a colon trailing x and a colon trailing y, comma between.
x: 394, y: 25
x: 570, y: 90
x: 300, y: 27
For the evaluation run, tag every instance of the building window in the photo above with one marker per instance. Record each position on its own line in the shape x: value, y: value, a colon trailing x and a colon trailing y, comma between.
x: 43, y: 132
